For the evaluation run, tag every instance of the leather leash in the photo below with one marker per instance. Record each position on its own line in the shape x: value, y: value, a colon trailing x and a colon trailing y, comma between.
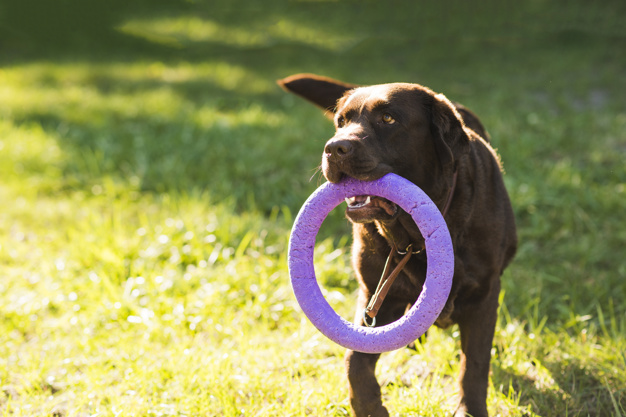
x: 387, y: 278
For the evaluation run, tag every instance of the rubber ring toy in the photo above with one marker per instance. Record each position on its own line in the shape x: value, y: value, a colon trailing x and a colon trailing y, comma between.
x: 438, y: 274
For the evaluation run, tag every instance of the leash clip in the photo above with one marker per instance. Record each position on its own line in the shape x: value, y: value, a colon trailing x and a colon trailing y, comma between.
x: 408, y: 249
x: 365, y: 317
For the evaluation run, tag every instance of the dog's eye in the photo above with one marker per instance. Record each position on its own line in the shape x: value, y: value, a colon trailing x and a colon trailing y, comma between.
x: 341, y: 121
x: 388, y: 119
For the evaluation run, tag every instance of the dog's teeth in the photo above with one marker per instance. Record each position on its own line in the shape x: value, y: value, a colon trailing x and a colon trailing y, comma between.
x: 356, y: 202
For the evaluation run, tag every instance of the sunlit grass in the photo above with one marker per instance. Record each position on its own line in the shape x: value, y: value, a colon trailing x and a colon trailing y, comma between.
x: 141, y: 286
x: 82, y: 93
x: 179, y: 31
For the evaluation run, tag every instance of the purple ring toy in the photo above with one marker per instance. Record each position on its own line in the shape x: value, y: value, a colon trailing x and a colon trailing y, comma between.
x: 438, y: 275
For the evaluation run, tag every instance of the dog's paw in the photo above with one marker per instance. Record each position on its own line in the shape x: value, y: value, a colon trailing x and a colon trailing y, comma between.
x: 378, y: 411
x: 462, y: 411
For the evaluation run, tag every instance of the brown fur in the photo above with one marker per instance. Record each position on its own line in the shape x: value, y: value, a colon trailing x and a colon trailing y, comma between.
x: 409, y: 130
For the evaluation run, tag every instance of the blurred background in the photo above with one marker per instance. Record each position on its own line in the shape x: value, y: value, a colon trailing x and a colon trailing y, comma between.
x: 148, y: 161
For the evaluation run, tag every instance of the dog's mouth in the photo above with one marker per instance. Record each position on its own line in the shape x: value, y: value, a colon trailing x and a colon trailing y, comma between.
x: 367, y: 208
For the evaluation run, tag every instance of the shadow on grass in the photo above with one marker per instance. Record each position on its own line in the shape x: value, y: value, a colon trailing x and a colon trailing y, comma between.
x: 306, y: 38
x: 267, y: 157
x: 344, y: 39
x: 49, y: 29
x: 564, y: 387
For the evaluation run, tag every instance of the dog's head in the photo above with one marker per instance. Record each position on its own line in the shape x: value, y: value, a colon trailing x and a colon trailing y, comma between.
x: 402, y: 128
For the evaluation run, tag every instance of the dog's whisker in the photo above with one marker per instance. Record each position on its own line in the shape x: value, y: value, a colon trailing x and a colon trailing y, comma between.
x: 316, y: 171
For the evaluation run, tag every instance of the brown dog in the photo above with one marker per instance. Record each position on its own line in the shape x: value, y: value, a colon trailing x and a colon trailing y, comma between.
x: 443, y: 148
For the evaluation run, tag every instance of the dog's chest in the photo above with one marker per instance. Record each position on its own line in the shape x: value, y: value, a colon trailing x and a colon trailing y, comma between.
x: 408, y: 284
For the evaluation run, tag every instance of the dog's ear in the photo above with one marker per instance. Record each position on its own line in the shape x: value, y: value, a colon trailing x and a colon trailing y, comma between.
x: 472, y: 121
x: 324, y: 92
x: 448, y: 129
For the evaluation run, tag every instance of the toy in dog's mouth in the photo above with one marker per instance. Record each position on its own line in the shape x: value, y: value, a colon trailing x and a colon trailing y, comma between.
x: 367, y: 208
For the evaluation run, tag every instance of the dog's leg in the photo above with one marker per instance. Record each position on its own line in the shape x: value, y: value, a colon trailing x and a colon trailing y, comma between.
x: 365, y: 395
x: 477, y: 326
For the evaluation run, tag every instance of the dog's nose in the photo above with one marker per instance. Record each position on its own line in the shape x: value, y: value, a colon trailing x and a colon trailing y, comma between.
x: 338, y: 148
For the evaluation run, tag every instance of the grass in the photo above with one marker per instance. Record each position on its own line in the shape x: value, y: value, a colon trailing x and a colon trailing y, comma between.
x: 151, y: 170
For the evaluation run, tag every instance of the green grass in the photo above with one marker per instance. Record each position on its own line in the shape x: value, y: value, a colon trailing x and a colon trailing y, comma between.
x: 150, y: 172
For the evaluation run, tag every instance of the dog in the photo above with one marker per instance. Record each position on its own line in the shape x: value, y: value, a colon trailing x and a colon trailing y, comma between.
x: 444, y: 149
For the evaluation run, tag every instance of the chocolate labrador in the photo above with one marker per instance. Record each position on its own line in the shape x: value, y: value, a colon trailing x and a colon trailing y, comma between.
x: 444, y: 149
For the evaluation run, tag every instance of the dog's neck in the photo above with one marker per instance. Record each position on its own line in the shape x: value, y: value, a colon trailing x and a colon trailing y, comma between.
x: 402, y: 232
x: 446, y: 207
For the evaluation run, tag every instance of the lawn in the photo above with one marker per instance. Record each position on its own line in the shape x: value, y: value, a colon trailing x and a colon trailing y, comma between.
x: 150, y: 171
